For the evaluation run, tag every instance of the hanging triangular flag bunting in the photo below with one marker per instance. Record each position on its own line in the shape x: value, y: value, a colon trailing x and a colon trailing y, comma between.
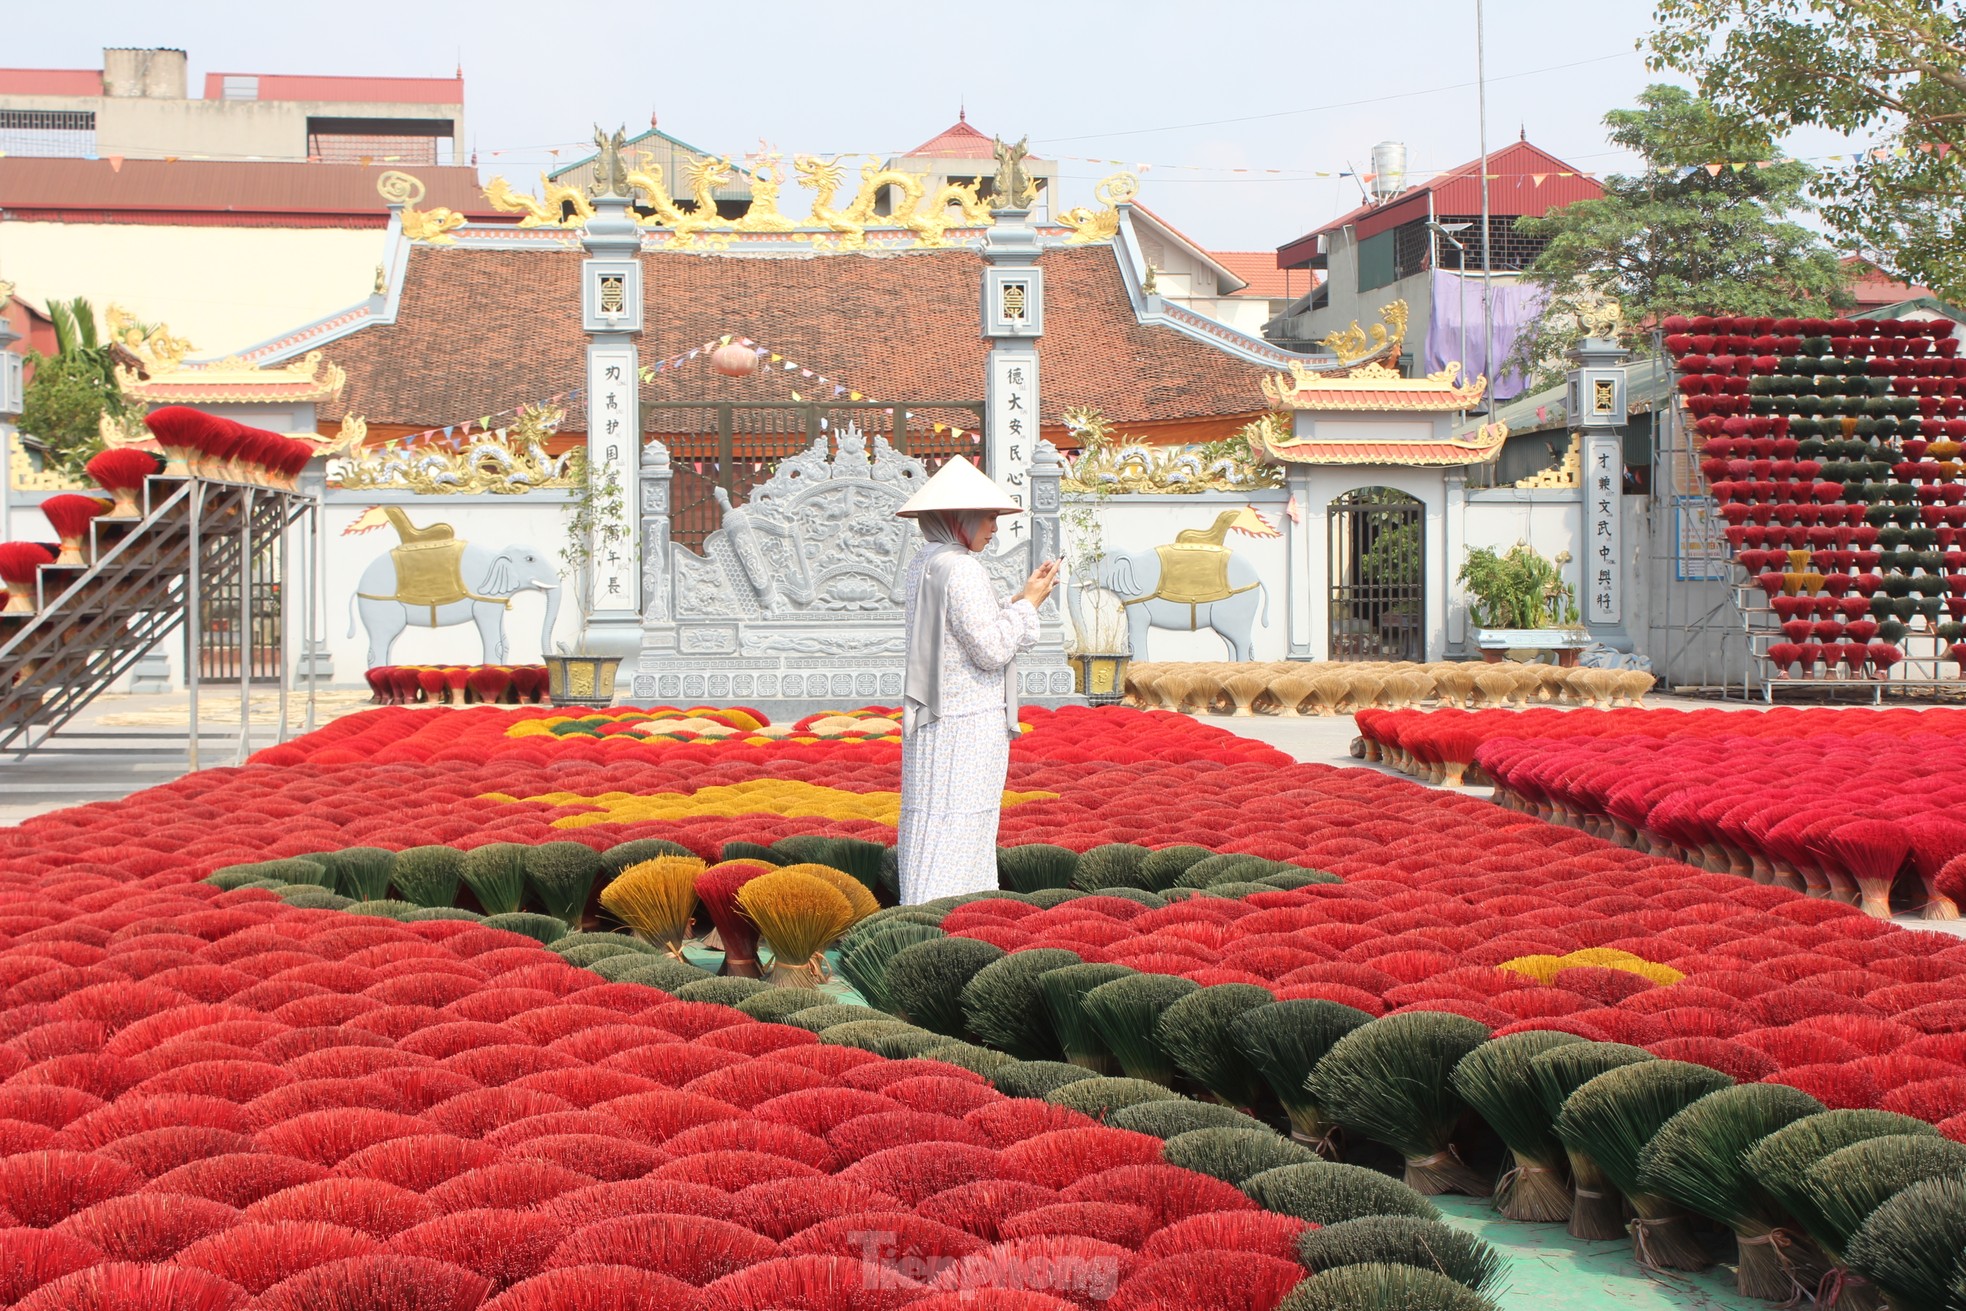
x: 1713, y: 170
x: 1538, y: 178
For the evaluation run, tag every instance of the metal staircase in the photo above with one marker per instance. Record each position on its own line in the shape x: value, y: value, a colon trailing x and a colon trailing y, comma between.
x: 1920, y: 666
x: 93, y: 622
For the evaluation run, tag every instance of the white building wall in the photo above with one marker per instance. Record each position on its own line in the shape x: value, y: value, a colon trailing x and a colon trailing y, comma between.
x: 158, y: 126
x: 1141, y: 523
x: 1295, y: 566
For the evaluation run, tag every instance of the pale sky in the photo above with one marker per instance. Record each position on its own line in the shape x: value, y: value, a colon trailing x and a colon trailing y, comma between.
x: 1191, y: 89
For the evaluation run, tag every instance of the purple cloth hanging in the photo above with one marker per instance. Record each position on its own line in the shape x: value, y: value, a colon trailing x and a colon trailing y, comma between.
x: 1515, y: 307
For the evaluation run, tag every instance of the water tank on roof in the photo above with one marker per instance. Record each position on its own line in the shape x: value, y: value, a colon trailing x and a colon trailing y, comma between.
x: 1388, y: 170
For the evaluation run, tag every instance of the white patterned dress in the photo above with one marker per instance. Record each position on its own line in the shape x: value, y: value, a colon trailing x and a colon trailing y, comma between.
x: 953, y: 768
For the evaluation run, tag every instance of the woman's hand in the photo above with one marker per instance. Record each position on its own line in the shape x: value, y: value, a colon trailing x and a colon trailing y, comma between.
x: 1038, y: 586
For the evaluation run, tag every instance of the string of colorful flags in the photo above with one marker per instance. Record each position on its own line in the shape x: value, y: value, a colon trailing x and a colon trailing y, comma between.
x: 454, y: 434
x: 768, y: 358
x: 1868, y: 154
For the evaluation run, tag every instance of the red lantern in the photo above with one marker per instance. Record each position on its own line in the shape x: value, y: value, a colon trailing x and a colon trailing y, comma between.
x: 734, y: 361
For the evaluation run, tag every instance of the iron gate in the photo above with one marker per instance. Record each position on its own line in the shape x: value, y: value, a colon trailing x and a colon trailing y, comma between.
x: 221, y: 640
x: 1377, y: 569
x: 733, y: 446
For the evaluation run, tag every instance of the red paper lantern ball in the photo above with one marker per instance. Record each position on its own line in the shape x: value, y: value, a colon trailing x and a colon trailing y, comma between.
x: 734, y: 361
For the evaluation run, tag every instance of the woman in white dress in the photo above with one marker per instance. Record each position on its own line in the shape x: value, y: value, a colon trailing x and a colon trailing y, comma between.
x: 959, y: 697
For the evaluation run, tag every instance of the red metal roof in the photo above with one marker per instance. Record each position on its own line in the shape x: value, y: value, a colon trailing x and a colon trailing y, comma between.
x: 1522, y: 180
x: 50, y: 81
x: 347, y: 90
x: 958, y: 140
x: 203, y: 191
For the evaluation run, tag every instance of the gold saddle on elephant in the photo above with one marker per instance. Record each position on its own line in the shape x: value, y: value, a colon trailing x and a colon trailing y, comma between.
x: 429, y: 564
x: 1193, y: 574
x: 429, y: 573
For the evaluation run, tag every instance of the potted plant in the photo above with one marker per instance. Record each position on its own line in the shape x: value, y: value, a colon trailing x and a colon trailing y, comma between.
x: 596, y: 520
x: 1099, y: 650
x: 1521, y: 601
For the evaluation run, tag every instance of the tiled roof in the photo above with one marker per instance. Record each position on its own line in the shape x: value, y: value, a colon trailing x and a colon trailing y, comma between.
x: 960, y: 141
x: 1387, y: 453
x: 1393, y: 452
x: 1258, y: 268
x: 482, y: 330
x: 231, y: 192
x: 1334, y: 397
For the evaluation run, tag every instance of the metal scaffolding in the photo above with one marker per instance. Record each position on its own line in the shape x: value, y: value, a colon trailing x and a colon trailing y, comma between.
x: 93, y: 622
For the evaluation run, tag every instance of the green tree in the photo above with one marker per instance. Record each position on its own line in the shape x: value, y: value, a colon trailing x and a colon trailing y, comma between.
x: 72, y: 389
x: 1891, y: 73
x: 1680, y: 235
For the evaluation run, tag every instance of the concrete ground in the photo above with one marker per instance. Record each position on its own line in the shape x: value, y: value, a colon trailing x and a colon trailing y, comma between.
x: 121, y: 744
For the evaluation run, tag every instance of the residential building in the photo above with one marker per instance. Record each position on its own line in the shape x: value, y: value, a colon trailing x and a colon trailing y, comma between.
x: 676, y: 158
x: 1873, y: 288
x: 1185, y: 274
x: 228, y: 253
x: 1392, y: 248
x: 962, y: 155
x: 138, y: 106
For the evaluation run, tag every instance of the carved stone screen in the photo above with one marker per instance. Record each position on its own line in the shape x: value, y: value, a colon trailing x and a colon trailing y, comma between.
x: 796, y: 602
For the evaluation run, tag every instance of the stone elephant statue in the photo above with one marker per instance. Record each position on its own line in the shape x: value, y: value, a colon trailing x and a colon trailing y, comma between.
x: 434, y: 580
x: 1181, y: 586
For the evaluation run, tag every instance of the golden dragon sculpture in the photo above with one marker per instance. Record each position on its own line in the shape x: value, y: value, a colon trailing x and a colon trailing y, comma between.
x: 704, y: 177
x: 931, y: 220
x: 563, y: 206
x: 1103, y: 224
x: 767, y: 179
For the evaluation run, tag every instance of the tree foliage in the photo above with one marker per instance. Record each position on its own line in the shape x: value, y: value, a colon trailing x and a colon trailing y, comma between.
x: 1517, y: 588
x: 1682, y: 234
x: 1892, y: 72
x: 73, y: 389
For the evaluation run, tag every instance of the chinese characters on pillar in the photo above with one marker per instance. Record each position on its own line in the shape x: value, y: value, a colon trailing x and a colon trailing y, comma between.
x: 1013, y: 432
x: 614, y: 455
x: 1603, y: 555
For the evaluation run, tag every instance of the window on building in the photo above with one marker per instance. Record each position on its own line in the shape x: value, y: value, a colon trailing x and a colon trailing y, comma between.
x: 1386, y: 257
x: 238, y: 86
x: 1376, y: 263
x: 397, y: 141
x: 1410, y: 249
x: 48, y: 133
x: 1507, y: 248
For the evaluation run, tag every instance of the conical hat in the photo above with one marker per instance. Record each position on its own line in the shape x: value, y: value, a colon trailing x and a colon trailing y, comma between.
x: 959, y: 485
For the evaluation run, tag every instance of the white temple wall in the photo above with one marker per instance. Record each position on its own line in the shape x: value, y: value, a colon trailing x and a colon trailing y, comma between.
x: 1142, y: 522
x: 1294, y: 567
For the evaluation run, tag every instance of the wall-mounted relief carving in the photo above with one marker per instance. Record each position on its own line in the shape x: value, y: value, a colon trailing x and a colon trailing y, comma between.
x: 798, y: 595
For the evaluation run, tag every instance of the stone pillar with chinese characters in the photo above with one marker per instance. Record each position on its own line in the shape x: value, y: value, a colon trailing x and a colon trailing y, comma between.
x: 1013, y: 319
x: 1597, y: 415
x: 658, y: 584
x: 611, y: 314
